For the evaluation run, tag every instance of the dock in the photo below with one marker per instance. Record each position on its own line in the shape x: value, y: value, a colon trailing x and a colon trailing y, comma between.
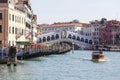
x: 36, y: 51
x: 43, y: 51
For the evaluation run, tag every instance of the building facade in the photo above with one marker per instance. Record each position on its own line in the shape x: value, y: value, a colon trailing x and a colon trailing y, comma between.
x: 73, y: 26
x: 15, y: 22
x: 110, y: 33
x: 93, y: 28
x: 103, y: 32
x: 34, y: 29
x: 3, y: 22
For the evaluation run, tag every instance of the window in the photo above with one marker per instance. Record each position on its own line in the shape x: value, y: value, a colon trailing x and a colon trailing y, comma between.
x: 15, y: 18
x: 10, y: 29
x: 3, y: 1
x: 27, y: 25
x: 22, y: 31
x: 13, y: 30
x: 0, y: 42
x: 12, y: 17
x: 0, y: 28
x: 0, y: 15
x: 95, y: 29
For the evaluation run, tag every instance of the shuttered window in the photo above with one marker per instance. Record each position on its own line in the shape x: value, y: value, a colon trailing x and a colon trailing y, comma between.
x: 0, y: 28
x: 0, y: 15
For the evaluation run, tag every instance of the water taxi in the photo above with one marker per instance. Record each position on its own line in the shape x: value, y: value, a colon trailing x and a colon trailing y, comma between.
x: 98, y: 56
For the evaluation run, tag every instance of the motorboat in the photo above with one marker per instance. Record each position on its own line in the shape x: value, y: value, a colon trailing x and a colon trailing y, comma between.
x: 98, y: 56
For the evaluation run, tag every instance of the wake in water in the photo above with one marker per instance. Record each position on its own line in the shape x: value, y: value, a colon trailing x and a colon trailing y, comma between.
x: 87, y: 59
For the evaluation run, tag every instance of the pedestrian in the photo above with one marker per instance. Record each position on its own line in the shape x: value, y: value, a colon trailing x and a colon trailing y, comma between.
x: 12, y: 58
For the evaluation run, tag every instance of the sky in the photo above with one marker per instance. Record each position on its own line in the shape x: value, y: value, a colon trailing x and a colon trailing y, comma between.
x: 50, y: 11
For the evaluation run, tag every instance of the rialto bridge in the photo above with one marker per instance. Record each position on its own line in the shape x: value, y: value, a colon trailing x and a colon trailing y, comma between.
x: 83, y: 42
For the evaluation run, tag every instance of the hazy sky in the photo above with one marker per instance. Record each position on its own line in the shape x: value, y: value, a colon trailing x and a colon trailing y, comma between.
x: 50, y: 11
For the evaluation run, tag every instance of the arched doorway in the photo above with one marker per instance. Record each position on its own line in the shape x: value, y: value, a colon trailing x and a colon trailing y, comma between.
x: 40, y: 40
x: 53, y: 37
x: 86, y: 40
x: 69, y: 36
x: 78, y: 38
x: 82, y: 39
x: 57, y: 36
x: 44, y: 39
x: 74, y: 37
x: 48, y: 38
x: 90, y: 41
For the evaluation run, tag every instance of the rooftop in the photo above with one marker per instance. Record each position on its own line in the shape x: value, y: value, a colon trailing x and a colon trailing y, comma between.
x: 63, y: 24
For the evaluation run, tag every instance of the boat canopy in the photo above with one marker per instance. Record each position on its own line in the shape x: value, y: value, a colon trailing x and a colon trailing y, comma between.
x: 22, y: 42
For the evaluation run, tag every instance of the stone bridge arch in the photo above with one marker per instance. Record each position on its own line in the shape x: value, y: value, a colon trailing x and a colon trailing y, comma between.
x: 70, y: 37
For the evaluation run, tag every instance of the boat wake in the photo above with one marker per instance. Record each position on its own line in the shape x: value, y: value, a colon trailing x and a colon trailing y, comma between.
x: 86, y: 59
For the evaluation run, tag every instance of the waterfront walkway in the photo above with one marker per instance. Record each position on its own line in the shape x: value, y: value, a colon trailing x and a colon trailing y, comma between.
x: 32, y: 51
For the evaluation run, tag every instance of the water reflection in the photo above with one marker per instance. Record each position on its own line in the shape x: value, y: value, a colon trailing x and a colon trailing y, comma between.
x: 12, y: 68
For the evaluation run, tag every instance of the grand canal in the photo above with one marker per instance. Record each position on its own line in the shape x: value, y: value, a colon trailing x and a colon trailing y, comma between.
x: 69, y: 66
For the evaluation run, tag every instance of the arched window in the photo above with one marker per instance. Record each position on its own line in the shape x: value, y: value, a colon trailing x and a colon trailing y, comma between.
x: 82, y: 39
x: 52, y: 38
x: 74, y: 37
x: 40, y: 40
x: 78, y: 38
x: 44, y: 39
x: 86, y: 40
x: 90, y: 41
x: 48, y: 38
x: 69, y: 36
x: 57, y: 36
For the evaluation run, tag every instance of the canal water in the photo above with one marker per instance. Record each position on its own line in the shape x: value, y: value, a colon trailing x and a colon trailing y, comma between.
x: 69, y: 66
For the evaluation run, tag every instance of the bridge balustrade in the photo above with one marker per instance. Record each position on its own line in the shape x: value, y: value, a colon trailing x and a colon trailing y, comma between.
x: 70, y: 37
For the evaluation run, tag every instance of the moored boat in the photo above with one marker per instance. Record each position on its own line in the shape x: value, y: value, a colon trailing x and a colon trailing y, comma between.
x: 3, y: 61
x: 98, y: 56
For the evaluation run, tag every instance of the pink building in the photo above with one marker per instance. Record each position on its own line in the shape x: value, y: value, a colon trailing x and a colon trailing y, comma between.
x: 109, y: 33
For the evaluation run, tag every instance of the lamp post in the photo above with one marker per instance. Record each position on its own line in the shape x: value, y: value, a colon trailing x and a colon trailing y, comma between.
x: 73, y: 47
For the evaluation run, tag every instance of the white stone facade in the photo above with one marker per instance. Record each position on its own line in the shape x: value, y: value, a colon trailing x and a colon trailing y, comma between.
x: 68, y: 26
x: 16, y: 26
x: 93, y: 30
x: 19, y: 21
